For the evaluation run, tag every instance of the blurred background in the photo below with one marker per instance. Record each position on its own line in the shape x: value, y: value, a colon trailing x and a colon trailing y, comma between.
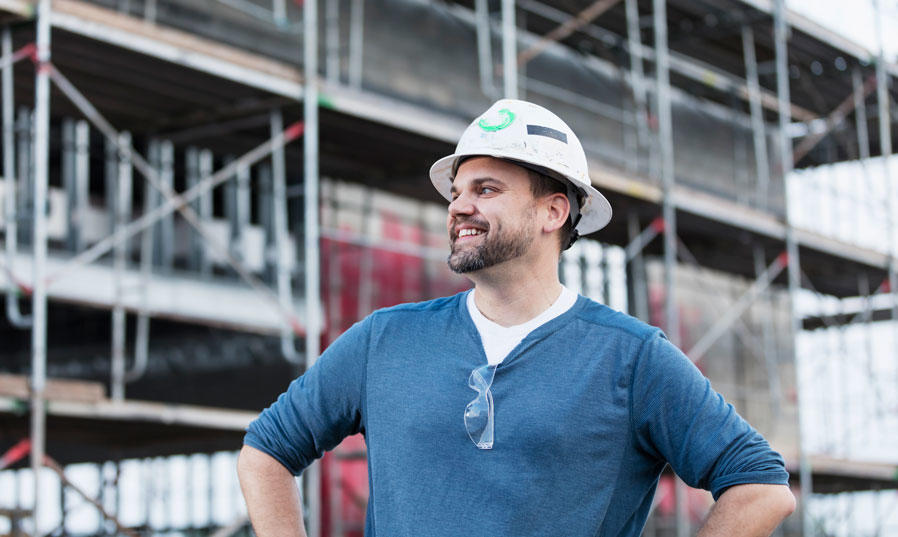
x: 197, y: 196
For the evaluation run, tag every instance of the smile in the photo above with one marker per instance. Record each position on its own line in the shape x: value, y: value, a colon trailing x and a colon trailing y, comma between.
x: 467, y: 232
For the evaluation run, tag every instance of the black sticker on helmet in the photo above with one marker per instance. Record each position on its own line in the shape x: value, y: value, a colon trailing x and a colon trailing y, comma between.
x: 539, y: 130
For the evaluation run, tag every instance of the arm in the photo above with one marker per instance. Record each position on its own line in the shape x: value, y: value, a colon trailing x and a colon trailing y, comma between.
x: 749, y: 511
x: 316, y: 412
x: 680, y: 419
x: 272, y: 498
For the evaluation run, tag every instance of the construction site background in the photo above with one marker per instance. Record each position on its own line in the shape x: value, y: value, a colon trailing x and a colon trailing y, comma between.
x: 134, y: 362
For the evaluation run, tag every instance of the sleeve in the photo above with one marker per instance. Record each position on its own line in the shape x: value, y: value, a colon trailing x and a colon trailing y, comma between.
x: 679, y: 418
x: 320, y: 408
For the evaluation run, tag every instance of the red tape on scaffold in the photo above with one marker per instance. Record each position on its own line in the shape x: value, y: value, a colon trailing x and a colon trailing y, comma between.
x: 783, y: 259
x: 15, y: 453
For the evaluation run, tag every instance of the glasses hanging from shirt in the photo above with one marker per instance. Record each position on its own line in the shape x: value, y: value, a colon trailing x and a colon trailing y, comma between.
x: 479, y: 412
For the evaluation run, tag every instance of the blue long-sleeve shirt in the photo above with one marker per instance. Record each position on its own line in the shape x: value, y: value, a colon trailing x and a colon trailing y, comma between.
x: 588, y: 408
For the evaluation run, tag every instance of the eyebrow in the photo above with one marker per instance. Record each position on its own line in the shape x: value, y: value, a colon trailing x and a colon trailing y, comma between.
x: 477, y: 182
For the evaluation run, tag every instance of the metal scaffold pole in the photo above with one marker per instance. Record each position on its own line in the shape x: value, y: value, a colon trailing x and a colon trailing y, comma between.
x: 639, y: 303
x: 509, y: 50
x: 39, y: 293
x: 121, y: 216
x: 665, y: 134
x: 860, y: 115
x: 637, y: 79
x: 356, y: 43
x: 332, y: 41
x: 793, y: 266
x: 9, y: 172
x: 762, y: 184
x: 484, y: 48
x: 759, y: 137
x: 668, y: 179
x: 885, y: 148
x: 281, y: 239
x: 162, y: 155
x: 312, y: 251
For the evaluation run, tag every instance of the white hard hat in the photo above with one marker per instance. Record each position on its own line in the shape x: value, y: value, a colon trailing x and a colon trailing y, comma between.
x: 534, y: 137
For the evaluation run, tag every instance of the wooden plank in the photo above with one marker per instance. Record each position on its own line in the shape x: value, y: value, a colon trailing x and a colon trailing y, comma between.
x: 154, y: 412
x: 177, y: 46
x: 854, y: 468
x: 212, y: 301
x: 174, y: 37
x: 57, y: 389
x: 17, y: 8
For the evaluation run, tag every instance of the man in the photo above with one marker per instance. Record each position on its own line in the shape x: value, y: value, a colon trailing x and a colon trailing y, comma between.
x: 517, y: 408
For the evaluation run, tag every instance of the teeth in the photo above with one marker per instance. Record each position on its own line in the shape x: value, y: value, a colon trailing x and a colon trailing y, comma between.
x: 469, y: 231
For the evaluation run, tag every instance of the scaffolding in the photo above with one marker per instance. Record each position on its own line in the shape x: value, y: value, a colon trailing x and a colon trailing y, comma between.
x: 687, y: 111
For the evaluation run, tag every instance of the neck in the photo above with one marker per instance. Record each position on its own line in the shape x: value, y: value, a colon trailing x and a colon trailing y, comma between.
x: 510, y: 294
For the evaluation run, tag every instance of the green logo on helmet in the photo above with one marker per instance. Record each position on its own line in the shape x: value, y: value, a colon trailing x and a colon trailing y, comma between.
x: 507, y: 116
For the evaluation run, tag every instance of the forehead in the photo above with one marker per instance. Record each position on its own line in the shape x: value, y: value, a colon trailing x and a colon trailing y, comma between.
x: 478, y: 168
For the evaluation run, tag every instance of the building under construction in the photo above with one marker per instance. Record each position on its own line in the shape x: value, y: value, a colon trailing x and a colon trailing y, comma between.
x: 197, y: 196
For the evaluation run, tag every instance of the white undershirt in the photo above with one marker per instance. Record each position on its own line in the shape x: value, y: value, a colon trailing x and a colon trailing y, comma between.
x: 499, y: 340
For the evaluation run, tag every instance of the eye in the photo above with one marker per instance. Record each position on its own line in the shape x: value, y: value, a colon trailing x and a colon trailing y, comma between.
x: 488, y: 190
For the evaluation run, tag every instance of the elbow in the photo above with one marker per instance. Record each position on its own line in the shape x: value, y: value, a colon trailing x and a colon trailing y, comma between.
x: 780, y: 501
x: 787, y: 501
x: 775, y: 502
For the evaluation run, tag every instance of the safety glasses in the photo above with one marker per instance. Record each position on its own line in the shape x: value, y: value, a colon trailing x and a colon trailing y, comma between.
x: 479, y: 412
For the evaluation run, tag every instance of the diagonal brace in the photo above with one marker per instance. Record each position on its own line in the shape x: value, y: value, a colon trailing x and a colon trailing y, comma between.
x: 28, y: 51
x: 642, y: 240
x: 174, y: 202
x: 128, y: 152
x: 743, y: 332
x: 171, y: 205
x: 23, y: 448
x: 751, y: 294
x: 53, y: 465
x: 567, y: 28
x: 833, y: 120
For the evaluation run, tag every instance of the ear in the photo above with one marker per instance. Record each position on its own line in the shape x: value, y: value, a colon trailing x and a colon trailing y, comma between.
x: 557, y: 208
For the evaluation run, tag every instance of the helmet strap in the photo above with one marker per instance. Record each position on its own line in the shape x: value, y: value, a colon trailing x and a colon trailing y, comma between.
x: 573, y: 196
x: 574, y: 233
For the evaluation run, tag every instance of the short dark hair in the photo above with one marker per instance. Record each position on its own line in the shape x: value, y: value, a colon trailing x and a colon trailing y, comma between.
x: 544, y: 185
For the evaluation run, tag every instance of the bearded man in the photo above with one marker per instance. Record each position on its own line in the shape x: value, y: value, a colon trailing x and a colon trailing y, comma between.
x: 517, y: 408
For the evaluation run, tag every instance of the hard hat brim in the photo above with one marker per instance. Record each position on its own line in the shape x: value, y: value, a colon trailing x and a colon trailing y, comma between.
x: 596, y: 212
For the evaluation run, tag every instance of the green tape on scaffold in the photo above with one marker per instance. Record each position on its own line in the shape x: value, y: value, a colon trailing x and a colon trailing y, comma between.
x: 20, y: 407
x: 325, y: 102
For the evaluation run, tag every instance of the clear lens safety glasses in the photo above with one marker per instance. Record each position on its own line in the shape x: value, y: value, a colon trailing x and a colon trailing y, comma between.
x: 479, y: 412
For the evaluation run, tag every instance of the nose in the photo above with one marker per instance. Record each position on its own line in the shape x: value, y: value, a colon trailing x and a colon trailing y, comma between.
x: 461, y: 206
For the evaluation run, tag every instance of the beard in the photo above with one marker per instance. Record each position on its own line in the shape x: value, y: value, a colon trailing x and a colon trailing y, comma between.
x: 497, y: 247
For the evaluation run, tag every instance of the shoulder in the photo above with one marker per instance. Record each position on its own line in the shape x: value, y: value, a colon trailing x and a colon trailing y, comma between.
x: 603, y: 318
x: 419, y: 311
x: 415, y: 323
x: 399, y: 317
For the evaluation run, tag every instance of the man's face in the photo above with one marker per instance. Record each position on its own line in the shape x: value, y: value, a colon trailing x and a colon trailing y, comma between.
x: 491, y: 216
